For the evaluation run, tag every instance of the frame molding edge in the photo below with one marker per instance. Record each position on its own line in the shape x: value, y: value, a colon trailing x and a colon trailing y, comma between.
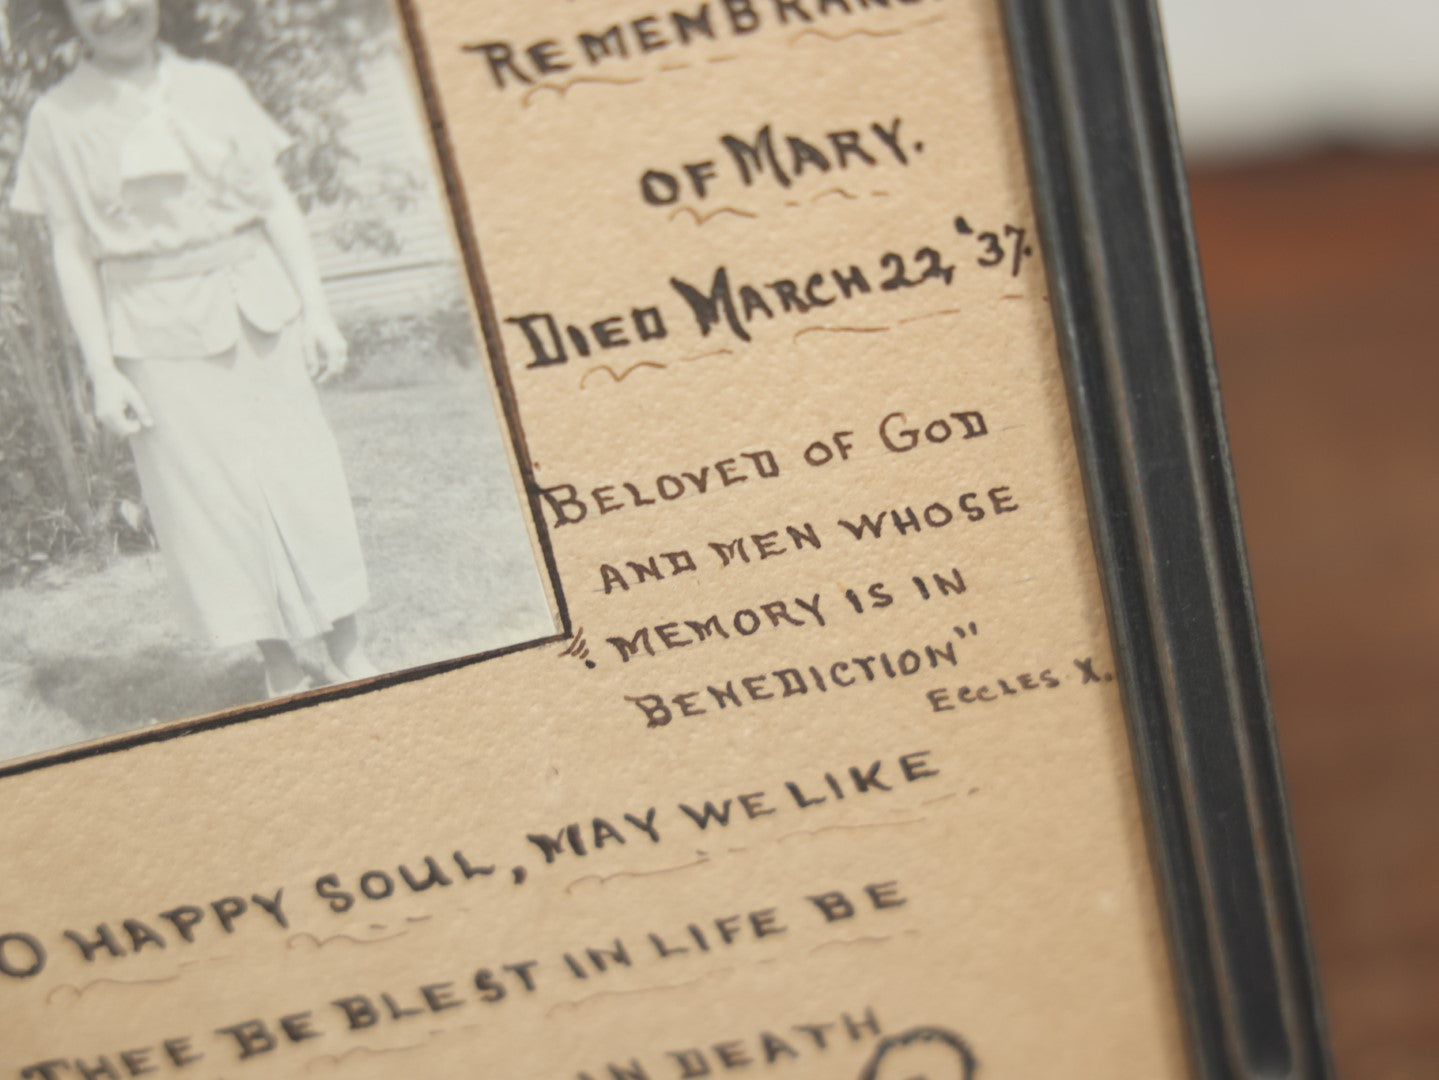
x: 1113, y: 209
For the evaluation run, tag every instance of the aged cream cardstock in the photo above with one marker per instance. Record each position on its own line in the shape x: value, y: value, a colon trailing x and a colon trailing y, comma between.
x: 832, y: 778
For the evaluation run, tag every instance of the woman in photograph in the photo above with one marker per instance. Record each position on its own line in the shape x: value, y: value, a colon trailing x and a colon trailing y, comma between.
x: 190, y: 283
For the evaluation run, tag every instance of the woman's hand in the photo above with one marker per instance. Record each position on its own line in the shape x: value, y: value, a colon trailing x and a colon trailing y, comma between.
x: 327, y: 354
x: 118, y: 405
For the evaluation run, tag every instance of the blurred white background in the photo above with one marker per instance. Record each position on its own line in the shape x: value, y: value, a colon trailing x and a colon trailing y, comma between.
x: 1267, y: 76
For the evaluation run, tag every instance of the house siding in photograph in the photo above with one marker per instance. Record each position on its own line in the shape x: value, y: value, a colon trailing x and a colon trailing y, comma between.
x: 386, y: 132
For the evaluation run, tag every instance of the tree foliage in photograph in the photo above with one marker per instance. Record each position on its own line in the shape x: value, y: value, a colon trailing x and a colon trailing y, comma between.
x: 65, y: 486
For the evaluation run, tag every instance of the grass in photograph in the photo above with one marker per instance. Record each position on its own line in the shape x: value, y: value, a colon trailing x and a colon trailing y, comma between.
x: 91, y: 648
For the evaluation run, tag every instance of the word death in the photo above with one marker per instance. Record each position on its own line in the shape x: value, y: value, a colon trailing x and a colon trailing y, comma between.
x: 778, y: 1045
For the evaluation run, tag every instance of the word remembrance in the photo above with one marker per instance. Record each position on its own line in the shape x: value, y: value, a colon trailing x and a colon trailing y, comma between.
x: 657, y: 635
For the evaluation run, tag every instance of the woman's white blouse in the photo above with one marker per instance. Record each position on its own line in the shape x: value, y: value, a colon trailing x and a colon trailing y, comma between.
x: 144, y: 174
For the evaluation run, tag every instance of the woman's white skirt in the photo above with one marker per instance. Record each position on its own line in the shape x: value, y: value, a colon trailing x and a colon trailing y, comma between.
x: 247, y: 493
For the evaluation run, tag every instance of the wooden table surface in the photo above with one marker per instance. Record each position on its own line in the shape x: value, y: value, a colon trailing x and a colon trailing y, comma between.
x: 1323, y: 282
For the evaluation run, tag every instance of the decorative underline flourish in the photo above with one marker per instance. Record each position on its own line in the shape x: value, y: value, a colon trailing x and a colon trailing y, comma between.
x: 619, y: 376
x: 704, y: 219
x: 841, y: 330
x: 930, y: 315
x: 851, y: 828
x: 320, y: 943
x: 564, y: 88
x: 578, y: 1002
x: 602, y: 879
x: 359, y: 1051
x: 834, y: 38
x: 83, y: 988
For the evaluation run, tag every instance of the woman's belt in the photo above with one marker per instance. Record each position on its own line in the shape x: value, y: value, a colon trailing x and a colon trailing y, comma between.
x: 187, y: 262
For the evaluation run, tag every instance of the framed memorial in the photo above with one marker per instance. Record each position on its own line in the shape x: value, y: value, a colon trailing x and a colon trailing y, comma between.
x: 620, y: 540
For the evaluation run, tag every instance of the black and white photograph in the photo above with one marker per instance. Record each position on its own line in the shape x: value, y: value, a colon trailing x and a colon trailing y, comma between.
x: 250, y: 442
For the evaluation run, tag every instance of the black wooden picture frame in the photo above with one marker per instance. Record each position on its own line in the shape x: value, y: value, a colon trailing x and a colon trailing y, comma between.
x: 1108, y: 183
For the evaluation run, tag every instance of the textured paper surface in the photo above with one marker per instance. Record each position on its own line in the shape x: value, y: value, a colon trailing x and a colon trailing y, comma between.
x: 952, y: 850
